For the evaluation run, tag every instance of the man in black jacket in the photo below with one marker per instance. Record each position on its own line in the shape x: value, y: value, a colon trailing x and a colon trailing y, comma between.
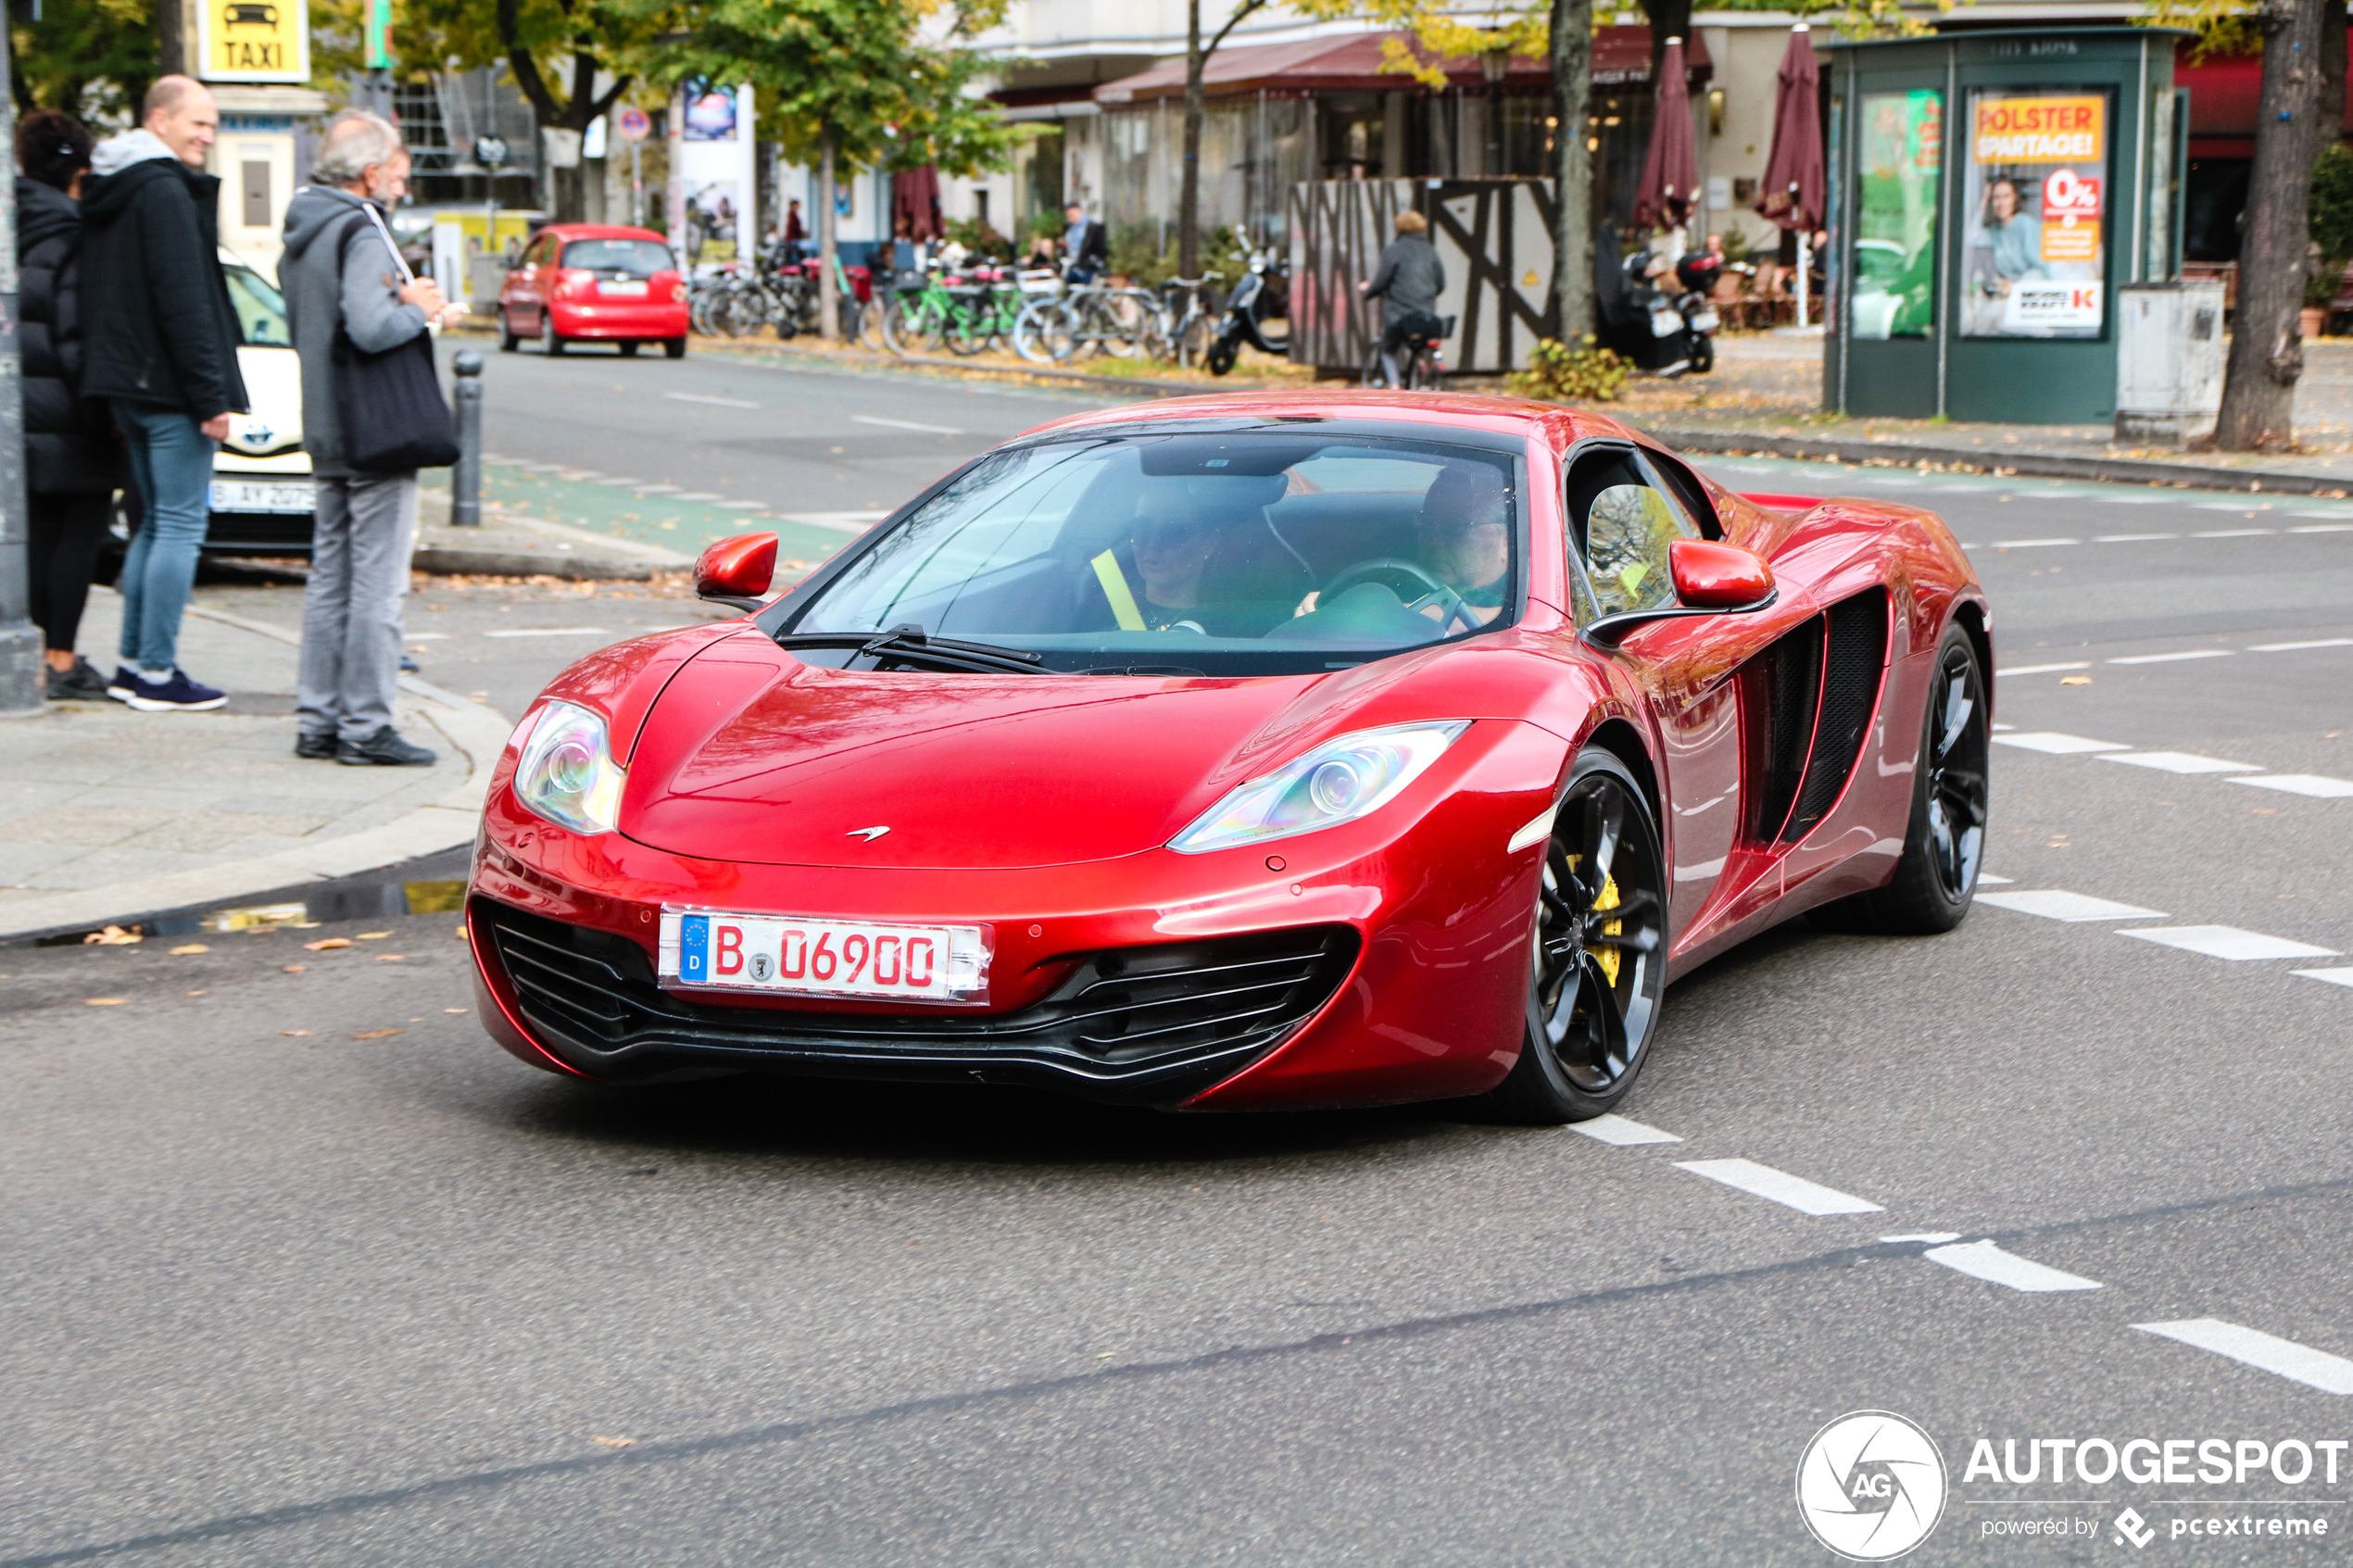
x: 72, y: 461
x: 1086, y: 248
x: 162, y: 350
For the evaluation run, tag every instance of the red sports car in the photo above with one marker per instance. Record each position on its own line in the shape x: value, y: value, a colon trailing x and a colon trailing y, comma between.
x: 594, y: 282
x: 1244, y: 752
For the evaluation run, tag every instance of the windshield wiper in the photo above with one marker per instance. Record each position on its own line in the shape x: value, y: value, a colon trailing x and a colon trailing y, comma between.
x: 908, y: 646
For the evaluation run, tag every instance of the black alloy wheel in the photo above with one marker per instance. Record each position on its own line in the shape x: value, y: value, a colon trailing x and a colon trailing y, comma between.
x: 1598, y: 961
x: 1943, y: 848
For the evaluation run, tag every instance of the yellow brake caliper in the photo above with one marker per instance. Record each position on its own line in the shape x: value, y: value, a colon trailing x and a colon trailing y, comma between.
x: 1608, y: 958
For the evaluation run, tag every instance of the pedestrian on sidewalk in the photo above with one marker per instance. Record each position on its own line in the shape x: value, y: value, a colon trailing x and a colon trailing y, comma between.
x: 343, y: 280
x: 72, y: 461
x: 161, y: 348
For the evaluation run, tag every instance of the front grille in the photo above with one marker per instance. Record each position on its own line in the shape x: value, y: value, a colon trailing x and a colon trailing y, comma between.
x: 1140, y: 1025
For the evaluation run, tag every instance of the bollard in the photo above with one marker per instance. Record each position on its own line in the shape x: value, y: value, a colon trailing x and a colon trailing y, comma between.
x: 465, y: 483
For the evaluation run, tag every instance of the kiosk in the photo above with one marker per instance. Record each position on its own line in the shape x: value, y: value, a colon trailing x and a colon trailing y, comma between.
x: 1975, y: 271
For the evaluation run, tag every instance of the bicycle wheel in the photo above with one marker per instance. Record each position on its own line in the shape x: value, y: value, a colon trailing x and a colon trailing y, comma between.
x: 965, y: 327
x: 1126, y: 317
x: 901, y: 332
x: 1042, y: 334
x: 1191, y: 340
x: 870, y: 320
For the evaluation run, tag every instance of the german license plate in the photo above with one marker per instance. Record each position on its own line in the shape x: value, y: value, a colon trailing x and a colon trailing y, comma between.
x: 1707, y: 321
x: 787, y: 955
x: 613, y: 288
x: 262, y: 496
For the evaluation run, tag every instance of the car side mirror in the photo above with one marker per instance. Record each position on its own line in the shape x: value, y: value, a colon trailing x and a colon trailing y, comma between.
x: 1709, y: 575
x: 736, y: 571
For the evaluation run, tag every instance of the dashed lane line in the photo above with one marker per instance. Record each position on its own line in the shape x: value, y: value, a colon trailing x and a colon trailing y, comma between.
x: 1797, y: 1192
x: 2333, y: 976
x: 1621, y: 1133
x: 706, y: 398
x: 2177, y: 762
x: 2174, y: 657
x: 2041, y: 669
x: 2291, y: 648
x: 2054, y: 903
x: 2055, y: 743
x: 1931, y: 1237
x: 2228, y: 942
x: 1983, y: 1259
x: 2266, y: 1352
x: 904, y: 424
x: 2130, y: 538
x: 2313, y: 784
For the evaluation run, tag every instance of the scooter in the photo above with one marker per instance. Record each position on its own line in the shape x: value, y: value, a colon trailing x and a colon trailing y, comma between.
x: 1263, y: 294
x: 1659, y: 329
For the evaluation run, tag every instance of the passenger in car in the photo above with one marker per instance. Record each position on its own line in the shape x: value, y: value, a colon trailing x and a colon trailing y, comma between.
x: 1465, y: 539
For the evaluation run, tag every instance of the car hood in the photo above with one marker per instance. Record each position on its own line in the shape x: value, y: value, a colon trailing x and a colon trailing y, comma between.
x: 752, y: 756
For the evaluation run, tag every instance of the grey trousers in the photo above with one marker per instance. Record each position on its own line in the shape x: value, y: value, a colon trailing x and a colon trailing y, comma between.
x: 351, y: 612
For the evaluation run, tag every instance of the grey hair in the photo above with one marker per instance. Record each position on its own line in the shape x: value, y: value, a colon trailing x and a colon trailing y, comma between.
x: 353, y: 140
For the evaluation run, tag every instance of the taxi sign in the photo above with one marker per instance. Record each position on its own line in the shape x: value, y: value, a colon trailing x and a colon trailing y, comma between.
x: 253, y: 40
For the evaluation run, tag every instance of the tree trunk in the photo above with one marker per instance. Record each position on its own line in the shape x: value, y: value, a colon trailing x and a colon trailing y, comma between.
x: 2267, y: 353
x: 1572, y: 51
x: 828, y: 298
x: 1189, y: 187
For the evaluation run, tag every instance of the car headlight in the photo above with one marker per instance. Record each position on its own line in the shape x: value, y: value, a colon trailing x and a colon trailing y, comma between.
x: 566, y: 772
x: 1338, y: 782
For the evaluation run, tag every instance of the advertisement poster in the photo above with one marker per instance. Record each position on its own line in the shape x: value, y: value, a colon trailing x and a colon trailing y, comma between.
x: 1902, y: 164
x: 711, y: 174
x: 2034, y: 263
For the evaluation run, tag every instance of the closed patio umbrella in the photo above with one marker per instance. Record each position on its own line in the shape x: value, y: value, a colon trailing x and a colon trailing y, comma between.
x: 1794, y: 193
x: 1670, y: 170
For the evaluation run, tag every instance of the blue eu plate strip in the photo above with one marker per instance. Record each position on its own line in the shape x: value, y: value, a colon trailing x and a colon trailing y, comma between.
x: 694, y: 947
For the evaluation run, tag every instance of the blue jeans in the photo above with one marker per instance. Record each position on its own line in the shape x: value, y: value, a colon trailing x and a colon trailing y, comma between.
x: 171, y: 464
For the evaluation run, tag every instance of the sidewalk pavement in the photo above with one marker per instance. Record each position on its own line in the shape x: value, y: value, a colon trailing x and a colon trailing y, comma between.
x: 1765, y: 398
x: 107, y: 815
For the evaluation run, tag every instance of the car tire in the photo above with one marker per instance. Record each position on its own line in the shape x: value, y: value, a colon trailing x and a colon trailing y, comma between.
x: 550, y: 341
x: 629, y: 351
x: 675, y: 347
x: 507, y: 342
x: 1945, y: 843
x: 1598, y: 954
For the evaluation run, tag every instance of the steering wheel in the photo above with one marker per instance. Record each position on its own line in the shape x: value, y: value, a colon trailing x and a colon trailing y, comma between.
x: 1452, y: 611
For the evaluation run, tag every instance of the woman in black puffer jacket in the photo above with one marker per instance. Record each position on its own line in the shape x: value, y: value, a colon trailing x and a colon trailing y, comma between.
x: 72, y: 461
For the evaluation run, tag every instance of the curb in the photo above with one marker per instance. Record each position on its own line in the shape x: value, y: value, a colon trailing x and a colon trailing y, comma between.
x: 577, y: 555
x: 1134, y: 385
x: 2040, y: 465
x: 478, y: 733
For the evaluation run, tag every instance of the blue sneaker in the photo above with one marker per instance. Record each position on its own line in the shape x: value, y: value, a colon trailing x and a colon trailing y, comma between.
x: 124, y: 678
x: 179, y: 695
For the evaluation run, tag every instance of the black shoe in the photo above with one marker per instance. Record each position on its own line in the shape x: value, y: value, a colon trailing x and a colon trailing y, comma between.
x: 410, y: 666
x: 80, y: 684
x: 384, y: 750
x: 316, y: 748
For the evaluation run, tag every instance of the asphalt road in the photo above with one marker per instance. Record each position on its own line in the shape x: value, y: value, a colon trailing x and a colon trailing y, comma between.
x: 302, y: 1269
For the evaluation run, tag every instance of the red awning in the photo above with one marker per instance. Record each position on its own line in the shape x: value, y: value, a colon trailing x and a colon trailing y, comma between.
x: 1353, y: 64
x: 2224, y: 93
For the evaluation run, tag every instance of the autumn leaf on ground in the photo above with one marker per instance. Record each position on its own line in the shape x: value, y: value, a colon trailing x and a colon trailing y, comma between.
x: 391, y: 957
x: 614, y: 1442
x: 377, y: 1034
x: 103, y: 1001
x: 291, y: 1034
x: 373, y: 936
x: 196, y: 993
x: 325, y: 943
x: 444, y: 1009
x: 183, y: 953
x: 296, y: 969
x: 112, y: 936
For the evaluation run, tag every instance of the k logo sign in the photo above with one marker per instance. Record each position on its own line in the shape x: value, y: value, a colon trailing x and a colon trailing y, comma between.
x: 1871, y: 1486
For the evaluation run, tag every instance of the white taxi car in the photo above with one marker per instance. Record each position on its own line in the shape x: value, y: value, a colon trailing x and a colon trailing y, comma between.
x: 261, y: 489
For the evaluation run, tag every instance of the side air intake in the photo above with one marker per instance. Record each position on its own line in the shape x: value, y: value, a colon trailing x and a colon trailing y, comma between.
x: 1850, y: 691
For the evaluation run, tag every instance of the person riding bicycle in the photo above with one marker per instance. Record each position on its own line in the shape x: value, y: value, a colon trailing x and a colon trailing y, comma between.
x: 1407, y: 283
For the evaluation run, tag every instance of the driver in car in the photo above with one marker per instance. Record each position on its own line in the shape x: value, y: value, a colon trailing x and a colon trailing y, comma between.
x: 1172, y: 543
x: 1466, y: 541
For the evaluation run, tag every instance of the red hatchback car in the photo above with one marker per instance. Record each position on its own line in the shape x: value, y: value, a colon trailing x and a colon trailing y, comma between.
x: 1248, y: 752
x: 596, y: 283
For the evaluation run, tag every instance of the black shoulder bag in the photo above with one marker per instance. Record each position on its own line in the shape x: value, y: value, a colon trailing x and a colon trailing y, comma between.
x: 395, y: 419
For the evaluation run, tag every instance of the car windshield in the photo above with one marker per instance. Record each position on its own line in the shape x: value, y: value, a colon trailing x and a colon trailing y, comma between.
x: 1210, y: 554
x: 640, y: 258
x: 259, y: 308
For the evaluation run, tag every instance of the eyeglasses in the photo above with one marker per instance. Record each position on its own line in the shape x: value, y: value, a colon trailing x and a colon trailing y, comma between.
x: 1163, y: 532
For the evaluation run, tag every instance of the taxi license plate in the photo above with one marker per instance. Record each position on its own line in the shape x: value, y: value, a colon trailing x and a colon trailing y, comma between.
x: 785, y: 954
x: 262, y: 496
x: 621, y: 290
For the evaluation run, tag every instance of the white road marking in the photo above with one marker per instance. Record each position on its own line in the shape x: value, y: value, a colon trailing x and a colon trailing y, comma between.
x: 2179, y: 762
x: 2313, y: 784
x: 658, y: 490
x: 427, y: 637
x: 2055, y: 743
x: 2234, y: 533
x: 740, y: 505
x: 2174, y: 657
x: 1616, y: 1130
x: 2291, y: 648
x: 622, y: 483
x: 2336, y: 512
x: 1987, y: 879
x: 2228, y: 942
x: 2228, y: 507
x: 703, y: 398
x: 547, y: 631
x: 2055, y: 903
x: 1922, y: 1236
x: 904, y: 424
x: 1805, y: 1197
x: 2031, y: 544
x: 2323, y: 527
x: 2333, y: 976
x: 2266, y: 1352
x: 2130, y: 538
x: 1983, y: 1260
x: 695, y: 495
x: 2043, y: 669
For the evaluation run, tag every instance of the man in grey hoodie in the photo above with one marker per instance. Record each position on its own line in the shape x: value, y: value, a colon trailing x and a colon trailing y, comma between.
x: 343, y: 275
